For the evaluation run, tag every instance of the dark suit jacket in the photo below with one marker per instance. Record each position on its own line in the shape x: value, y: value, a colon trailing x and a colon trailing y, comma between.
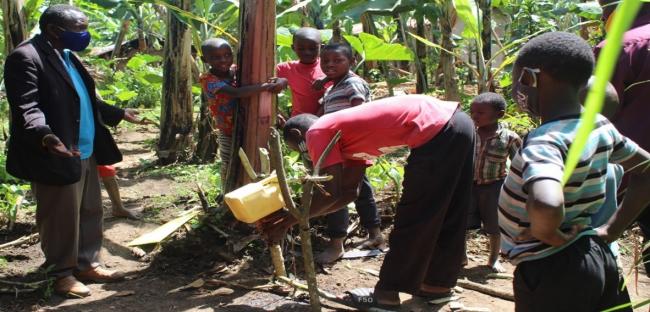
x: 43, y: 100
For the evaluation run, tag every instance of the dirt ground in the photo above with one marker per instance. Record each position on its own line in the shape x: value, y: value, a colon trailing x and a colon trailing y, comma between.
x: 202, y: 253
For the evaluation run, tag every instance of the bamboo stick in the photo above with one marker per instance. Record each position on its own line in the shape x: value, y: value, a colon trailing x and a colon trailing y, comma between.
x: 507, y: 295
x: 265, y: 162
x: 303, y: 214
x: 278, y: 260
x: 19, y: 241
x: 247, y: 165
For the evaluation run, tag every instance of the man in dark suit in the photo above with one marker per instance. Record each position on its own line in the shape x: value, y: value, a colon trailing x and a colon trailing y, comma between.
x: 58, y: 137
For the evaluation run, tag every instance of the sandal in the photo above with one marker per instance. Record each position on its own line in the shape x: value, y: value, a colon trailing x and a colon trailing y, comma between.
x: 364, y: 299
x: 428, y: 296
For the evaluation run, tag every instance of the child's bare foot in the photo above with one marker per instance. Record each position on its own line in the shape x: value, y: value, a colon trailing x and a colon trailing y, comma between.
x: 332, y: 252
x: 497, y: 267
x: 125, y: 213
x: 375, y: 240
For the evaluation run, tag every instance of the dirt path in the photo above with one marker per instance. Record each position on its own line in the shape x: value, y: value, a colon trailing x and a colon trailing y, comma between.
x: 199, y: 253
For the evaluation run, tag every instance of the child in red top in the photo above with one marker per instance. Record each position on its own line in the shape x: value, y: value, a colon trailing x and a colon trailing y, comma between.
x: 303, y: 76
x: 220, y: 88
x: 427, y: 240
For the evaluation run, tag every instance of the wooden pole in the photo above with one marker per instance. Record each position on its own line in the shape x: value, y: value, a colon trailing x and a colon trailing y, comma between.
x: 302, y: 214
x: 256, y: 65
x: 176, y: 116
x: 14, y: 23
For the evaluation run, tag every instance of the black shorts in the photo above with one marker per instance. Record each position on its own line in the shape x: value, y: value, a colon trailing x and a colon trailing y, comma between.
x: 581, y: 277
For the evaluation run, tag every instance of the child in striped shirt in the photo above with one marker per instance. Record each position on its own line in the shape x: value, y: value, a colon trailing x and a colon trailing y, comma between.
x: 494, y: 145
x: 562, y: 263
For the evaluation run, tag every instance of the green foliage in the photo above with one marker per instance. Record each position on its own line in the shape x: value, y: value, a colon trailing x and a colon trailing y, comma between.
x: 373, y: 48
x: 137, y: 85
x: 386, y: 175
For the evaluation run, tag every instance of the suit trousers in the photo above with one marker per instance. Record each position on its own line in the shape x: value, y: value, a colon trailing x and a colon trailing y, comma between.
x: 69, y: 220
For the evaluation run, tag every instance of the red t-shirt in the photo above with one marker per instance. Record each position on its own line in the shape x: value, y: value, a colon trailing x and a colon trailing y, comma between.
x: 301, y: 76
x: 378, y: 128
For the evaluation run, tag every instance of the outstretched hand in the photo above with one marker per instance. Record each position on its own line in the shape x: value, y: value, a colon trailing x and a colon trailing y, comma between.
x: 131, y: 115
x: 274, y: 227
x: 54, y: 145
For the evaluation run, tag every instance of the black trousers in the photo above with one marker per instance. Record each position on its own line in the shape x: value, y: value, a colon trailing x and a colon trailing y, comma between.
x: 581, y: 277
x: 427, y: 241
x: 338, y: 221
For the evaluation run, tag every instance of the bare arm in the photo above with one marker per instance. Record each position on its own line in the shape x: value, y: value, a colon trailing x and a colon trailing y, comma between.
x: 247, y: 91
x: 545, y: 207
x: 636, y: 197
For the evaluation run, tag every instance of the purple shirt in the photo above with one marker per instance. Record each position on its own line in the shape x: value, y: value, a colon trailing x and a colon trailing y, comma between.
x: 633, y: 66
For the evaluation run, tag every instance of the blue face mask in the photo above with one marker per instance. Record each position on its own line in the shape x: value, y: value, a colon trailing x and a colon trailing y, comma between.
x: 75, y: 41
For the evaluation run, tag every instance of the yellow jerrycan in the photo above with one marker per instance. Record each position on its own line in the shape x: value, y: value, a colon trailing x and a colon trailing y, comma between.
x: 256, y: 200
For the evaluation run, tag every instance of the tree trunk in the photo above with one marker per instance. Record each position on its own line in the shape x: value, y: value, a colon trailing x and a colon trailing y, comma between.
x: 447, y: 21
x: 486, y: 28
x: 337, y: 36
x: 142, y: 42
x: 421, y: 54
x: 484, y: 66
x: 368, y: 26
x: 206, y: 146
x: 14, y: 23
x: 120, y: 38
x: 176, y: 115
x: 256, y: 65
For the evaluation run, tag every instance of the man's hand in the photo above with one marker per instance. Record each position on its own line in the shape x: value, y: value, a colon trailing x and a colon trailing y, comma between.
x: 131, y: 115
x: 53, y: 145
x: 275, y: 226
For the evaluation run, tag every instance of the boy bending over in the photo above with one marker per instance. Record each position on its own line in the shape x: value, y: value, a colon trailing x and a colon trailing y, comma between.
x: 426, y: 244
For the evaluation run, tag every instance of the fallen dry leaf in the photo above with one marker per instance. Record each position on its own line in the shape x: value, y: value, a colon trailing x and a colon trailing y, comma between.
x: 124, y: 293
x: 193, y: 285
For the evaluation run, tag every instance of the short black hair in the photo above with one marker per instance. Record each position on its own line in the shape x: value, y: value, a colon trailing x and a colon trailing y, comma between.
x: 301, y: 122
x: 564, y: 56
x: 340, y: 47
x: 214, y: 43
x: 57, y: 14
x: 496, y: 100
x: 308, y: 33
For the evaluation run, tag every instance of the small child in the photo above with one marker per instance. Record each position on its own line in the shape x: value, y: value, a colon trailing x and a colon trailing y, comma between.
x: 220, y: 88
x: 494, y: 145
x: 348, y: 90
x: 563, y: 264
x: 304, y: 76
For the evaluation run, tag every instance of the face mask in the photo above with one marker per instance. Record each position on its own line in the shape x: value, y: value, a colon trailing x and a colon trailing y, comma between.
x: 526, y: 96
x: 75, y: 41
x: 302, y: 147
